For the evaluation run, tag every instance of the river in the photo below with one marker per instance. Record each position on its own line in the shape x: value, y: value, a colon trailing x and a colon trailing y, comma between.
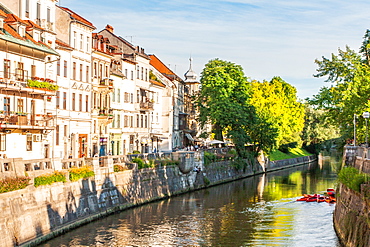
x: 256, y: 211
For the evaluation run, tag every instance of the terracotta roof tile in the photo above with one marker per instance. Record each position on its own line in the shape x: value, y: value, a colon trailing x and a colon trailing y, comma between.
x: 157, y: 83
x: 163, y: 69
x: 2, y: 13
x: 32, y: 25
x: 63, y: 44
x: 77, y: 17
x: 12, y: 32
x: 11, y: 18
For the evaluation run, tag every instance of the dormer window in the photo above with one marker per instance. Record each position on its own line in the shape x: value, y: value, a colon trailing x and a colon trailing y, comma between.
x: 22, y: 31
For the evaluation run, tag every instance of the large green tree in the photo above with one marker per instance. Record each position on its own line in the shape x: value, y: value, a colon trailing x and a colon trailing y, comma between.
x: 223, y: 102
x: 348, y: 94
x: 276, y: 102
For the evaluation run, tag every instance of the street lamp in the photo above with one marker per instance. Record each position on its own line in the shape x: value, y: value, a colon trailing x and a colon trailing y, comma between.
x: 366, y: 115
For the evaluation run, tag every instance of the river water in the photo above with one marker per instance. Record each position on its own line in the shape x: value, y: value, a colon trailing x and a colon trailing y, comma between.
x: 256, y: 211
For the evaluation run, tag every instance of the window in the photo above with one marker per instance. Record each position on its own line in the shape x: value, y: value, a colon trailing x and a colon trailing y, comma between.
x: 29, y: 142
x: 64, y: 100
x: 146, y: 74
x: 20, y: 105
x: 74, y: 71
x: 125, y: 121
x: 38, y: 12
x: 119, y: 95
x: 6, y: 105
x: 74, y: 39
x: 81, y: 72
x: 58, y: 100
x: 81, y: 41
x: 137, y: 96
x: 132, y: 98
x: 138, y: 72
x: 2, y: 142
x: 80, y: 102
x: 114, y: 95
x: 137, y: 121
x: 73, y: 101
x: 87, y: 103
x: 106, y: 72
x: 126, y: 73
x: 87, y: 73
x: 6, y: 68
x: 58, y: 67
x: 119, y: 121
x: 100, y: 71
x: 57, y: 135
x: 27, y: 8
x: 142, y: 73
x: 95, y: 70
x: 48, y: 15
x: 65, y: 68
x: 65, y: 130
x: 131, y: 121
x: 146, y: 121
x: 87, y: 44
x: 132, y: 75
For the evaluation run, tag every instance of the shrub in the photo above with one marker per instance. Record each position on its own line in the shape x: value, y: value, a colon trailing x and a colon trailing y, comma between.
x: 135, y: 152
x: 118, y: 168
x: 352, y: 178
x: 42, y: 84
x: 209, y: 158
x: 80, y: 172
x: 140, y: 163
x: 11, y: 184
x: 285, y: 147
x: 49, y: 179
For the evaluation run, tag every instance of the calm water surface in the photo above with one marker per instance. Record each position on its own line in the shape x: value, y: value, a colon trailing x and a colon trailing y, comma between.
x: 257, y: 211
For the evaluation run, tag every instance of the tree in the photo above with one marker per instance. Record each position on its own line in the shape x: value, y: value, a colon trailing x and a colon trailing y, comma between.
x: 277, y: 103
x: 317, y: 129
x: 223, y: 102
x: 349, y: 93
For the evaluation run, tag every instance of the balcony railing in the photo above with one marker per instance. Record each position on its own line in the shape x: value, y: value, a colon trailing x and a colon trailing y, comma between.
x: 146, y: 105
x: 106, y: 82
x: 20, y: 80
x: 14, y: 120
x: 106, y: 113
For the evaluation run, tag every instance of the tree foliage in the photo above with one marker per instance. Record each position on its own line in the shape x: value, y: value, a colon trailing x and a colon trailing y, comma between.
x: 349, y: 91
x: 223, y: 102
x: 276, y: 102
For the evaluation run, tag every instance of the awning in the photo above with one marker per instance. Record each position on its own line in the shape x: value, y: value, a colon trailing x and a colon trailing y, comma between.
x: 189, y: 137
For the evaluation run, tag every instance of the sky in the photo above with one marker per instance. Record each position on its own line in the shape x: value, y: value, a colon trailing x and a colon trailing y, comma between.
x: 267, y: 38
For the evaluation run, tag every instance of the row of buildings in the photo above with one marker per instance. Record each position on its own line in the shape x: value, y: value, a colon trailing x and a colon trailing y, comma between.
x: 69, y: 91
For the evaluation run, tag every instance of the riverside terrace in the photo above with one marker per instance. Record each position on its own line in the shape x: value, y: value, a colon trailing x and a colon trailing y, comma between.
x: 16, y: 167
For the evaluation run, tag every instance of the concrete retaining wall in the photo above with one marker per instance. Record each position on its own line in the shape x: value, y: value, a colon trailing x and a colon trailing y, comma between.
x: 33, y: 215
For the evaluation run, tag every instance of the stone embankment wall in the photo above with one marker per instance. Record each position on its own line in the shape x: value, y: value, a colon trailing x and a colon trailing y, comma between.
x: 32, y: 215
x: 351, y: 216
x: 352, y: 212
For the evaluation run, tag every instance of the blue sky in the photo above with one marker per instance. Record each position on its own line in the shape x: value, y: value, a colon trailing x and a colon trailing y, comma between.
x: 267, y: 38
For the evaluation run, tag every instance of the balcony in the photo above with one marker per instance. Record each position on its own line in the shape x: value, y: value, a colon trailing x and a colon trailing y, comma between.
x: 105, y: 116
x: 10, y: 120
x: 146, y: 105
x: 20, y: 81
x: 106, y: 83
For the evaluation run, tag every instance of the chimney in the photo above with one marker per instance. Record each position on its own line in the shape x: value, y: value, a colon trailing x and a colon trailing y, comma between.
x: 109, y: 28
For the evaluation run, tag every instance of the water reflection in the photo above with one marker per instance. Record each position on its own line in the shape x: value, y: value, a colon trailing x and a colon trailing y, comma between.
x: 257, y: 211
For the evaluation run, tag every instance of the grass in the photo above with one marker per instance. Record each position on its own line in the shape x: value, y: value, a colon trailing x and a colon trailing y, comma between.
x: 293, y: 153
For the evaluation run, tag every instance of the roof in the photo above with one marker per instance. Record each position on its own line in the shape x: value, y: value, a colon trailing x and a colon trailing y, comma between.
x: 10, y: 35
x: 77, y: 17
x: 2, y: 13
x: 157, y: 83
x: 11, y: 18
x: 163, y: 69
x: 31, y: 25
x: 62, y: 44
